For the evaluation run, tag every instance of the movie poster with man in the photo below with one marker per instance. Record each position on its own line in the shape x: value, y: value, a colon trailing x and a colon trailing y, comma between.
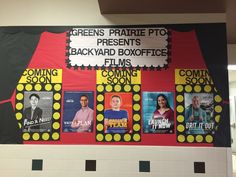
x: 37, y: 113
x: 199, y: 110
x: 78, y: 114
x: 158, y: 112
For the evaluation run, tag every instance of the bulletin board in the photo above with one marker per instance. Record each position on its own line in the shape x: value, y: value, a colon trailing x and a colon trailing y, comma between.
x: 163, y: 85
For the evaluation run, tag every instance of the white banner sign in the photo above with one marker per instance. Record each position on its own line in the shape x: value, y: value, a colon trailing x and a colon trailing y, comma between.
x: 122, y: 47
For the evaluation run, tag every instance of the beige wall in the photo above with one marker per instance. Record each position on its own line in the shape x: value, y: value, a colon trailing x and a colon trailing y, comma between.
x: 60, y: 161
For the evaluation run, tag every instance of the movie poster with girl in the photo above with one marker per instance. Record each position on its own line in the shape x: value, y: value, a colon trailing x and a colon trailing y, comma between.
x: 158, y: 112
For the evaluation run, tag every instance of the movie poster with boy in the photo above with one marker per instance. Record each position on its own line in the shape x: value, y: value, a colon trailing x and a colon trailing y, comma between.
x: 118, y: 113
x: 158, y: 112
x: 199, y: 111
x: 78, y: 113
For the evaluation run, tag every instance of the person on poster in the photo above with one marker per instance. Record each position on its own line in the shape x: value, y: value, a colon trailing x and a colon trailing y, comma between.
x: 32, y: 114
x: 83, y: 119
x: 116, y: 120
x: 163, y: 117
x: 195, y: 117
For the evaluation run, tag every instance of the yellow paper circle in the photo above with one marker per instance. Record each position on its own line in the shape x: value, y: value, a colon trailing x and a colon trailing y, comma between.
x: 199, y: 138
x: 19, y: 106
x: 180, y: 118
x: 180, y: 128
x: 26, y: 136
x: 56, y: 125
x: 45, y: 136
x: 136, y: 97
x: 20, y: 87
x: 28, y: 87
x: 100, y: 97
x: 136, y: 117
x: 99, y: 127
x: 35, y: 136
x: 100, y: 107
x: 197, y: 88
x: 179, y: 88
x: 136, y: 107
x: 136, y: 88
x: 57, y: 96
x: 108, y: 137
x: 57, y: 87
x: 180, y: 108
x: 56, y: 106
x: 20, y: 126
x: 207, y: 88
x: 127, y: 88
x: 218, y: 98
x: 100, y: 88
x: 56, y: 115
x: 190, y: 138
x: 181, y: 138
x: 55, y: 136
x: 100, y: 117
x: 117, y: 88
x: 209, y: 138
x: 136, y: 127
x: 127, y: 137
x: 180, y: 98
x: 117, y: 137
x: 99, y: 137
x: 108, y: 88
x: 136, y: 137
x: 48, y: 87
x: 18, y: 116
x: 218, y: 109
x: 19, y: 96
x: 217, y: 118
x: 188, y: 88
x: 37, y: 87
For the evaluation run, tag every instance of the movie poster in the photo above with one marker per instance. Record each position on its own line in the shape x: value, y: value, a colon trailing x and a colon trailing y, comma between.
x: 78, y: 112
x: 158, y: 112
x: 37, y: 112
x: 199, y: 111
x: 118, y: 113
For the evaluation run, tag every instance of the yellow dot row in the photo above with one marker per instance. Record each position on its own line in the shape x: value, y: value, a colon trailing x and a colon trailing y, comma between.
x: 56, y: 115
x: 117, y: 88
x: 44, y: 136
x: 191, y: 138
x: 56, y: 106
x: 55, y: 125
x: 180, y: 98
x: 196, y: 88
x: 38, y: 87
x: 100, y: 127
x: 20, y: 96
x: 117, y: 137
x: 180, y: 109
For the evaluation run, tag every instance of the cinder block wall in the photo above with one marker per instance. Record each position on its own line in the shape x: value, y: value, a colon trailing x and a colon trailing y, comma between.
x: 106, y: 161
